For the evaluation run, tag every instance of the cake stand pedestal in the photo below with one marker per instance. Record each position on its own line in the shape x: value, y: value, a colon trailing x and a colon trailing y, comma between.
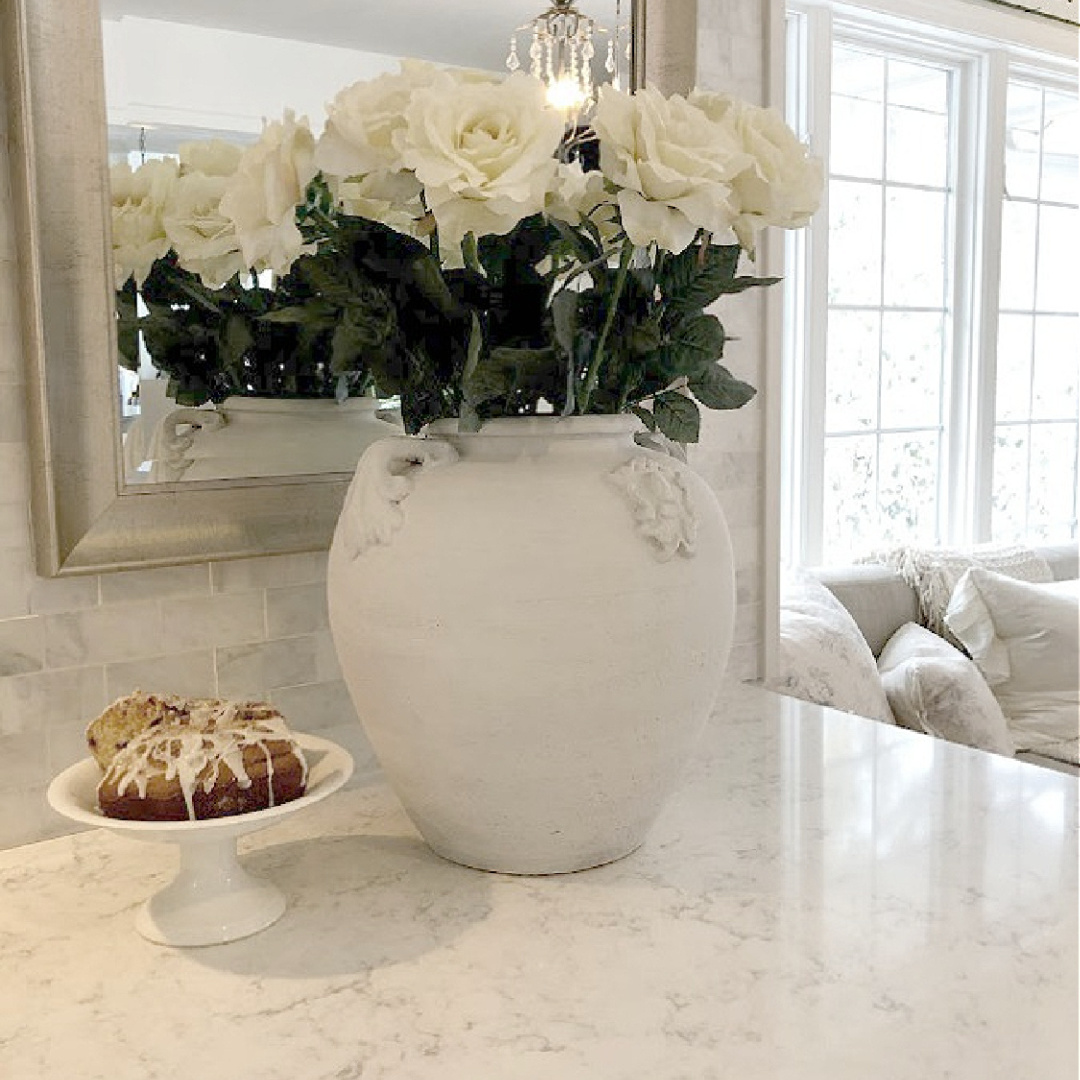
x: 212, y: 899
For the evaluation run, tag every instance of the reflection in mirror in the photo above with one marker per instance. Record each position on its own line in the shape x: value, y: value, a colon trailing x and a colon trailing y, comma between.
x: 86, y: 517
x: 227, y: 371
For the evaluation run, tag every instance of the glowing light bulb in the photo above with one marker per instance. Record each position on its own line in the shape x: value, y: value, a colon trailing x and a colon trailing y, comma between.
x: 565, y: 94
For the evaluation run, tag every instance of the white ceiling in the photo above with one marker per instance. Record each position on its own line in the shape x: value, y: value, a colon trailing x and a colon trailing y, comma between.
x: 468, y: 33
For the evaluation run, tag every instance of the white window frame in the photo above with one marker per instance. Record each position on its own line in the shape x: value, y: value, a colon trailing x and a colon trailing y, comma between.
x: 1003, y: 67
x: 988, y: 45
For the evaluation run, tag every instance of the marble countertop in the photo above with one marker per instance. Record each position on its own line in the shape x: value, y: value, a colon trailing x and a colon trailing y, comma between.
x: 823, y: 897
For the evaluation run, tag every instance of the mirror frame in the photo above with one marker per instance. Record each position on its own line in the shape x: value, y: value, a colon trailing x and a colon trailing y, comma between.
x: 84, y: 518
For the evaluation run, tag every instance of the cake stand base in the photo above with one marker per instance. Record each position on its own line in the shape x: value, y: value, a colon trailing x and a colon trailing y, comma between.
x: 212, y: 899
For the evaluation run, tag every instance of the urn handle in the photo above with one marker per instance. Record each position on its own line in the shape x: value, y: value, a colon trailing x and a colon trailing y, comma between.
x: 660, y: 501
x: 174, y: 437
x: 384, y: 479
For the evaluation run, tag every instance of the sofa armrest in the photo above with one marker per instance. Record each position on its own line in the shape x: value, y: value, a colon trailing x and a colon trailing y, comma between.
x: 1063, y: 560
x: 878, y: 598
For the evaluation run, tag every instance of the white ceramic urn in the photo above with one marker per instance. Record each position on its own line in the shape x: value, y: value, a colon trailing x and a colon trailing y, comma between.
x: 253, y: 436
x: 533, y: 623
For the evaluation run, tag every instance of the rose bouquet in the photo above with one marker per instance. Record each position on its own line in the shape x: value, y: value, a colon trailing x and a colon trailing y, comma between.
x: 446, y: 240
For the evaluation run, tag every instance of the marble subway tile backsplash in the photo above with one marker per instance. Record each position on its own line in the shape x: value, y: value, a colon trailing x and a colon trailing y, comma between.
x: 22, y: 648
x: 50, y: 595
x: 296, y: 609
x: 163, y: 581
x: 257, y: 629
x: 102, y: 635
x: 190, y: 673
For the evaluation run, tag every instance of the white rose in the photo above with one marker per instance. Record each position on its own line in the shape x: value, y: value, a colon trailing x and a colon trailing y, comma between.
x: 262, y: 196
x: 392, y: 198
x: 214, y: 157
x: 203, y: 238
x: 567, y: 194
x: 576, y: 195
x: 483, y: 151
x: 356, y: 152
x: 361, y: 121
x: 138, y: 203
x: 782, y: 182
x: 673, y: 164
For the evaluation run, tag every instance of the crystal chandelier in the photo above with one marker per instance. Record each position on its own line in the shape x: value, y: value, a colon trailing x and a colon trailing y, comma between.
x: 562, y: 51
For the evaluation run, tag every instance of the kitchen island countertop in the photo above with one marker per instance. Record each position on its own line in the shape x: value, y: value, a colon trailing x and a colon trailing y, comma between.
x: 822, y: 897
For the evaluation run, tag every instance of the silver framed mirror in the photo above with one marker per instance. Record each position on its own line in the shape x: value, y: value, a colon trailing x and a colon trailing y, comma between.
x: 85, y: 517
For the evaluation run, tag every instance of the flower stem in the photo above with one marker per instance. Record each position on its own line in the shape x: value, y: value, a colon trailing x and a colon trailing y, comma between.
x: 574, y: 272
x: 470, y: 252
x: 592, y: 376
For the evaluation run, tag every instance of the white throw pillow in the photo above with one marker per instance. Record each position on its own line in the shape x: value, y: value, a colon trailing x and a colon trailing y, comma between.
x: 1025, y: 639
x: 935, y: 688
x: 822, y: 655
x: 934, y: 572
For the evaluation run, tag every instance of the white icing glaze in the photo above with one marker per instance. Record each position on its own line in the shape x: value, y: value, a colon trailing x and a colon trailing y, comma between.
x: 193, y: 750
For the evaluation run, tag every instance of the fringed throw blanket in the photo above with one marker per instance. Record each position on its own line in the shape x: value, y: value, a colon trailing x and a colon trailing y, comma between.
x: 934, y: 572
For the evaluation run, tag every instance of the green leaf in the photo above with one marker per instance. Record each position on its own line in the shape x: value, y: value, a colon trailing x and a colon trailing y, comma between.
x: 393, y: 258
x: 324, y: 277
x: 504, y: 373
x: 521, y: 368
x: 197, y: 293
x: 345, y: 344
x: 313, y: 313
x: 127, y: 327
x: 677, y: 416
x: 564, y: 315
x: 425, y: 274
x: 741, y: 284
x: 581, y: 240
x: 516, y: 254
x: 645, y: 416
x: 644, y: 338
x: 694, y: 342
x: 698, y: 276
x: 475, y: 385
x: 236, y: 340
x: 717, y: 388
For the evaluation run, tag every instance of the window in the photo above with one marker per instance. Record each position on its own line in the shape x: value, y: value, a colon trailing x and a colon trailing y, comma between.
x: 1038, y: 348
x: 931, y: 385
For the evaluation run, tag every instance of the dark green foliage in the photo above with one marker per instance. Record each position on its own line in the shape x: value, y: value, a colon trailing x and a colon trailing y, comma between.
x: 548, y: 313
x: 661, y: 338
x: 213, y: 343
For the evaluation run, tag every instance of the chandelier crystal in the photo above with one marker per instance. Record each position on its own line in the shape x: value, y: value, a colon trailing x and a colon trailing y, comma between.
x: 561, y: 53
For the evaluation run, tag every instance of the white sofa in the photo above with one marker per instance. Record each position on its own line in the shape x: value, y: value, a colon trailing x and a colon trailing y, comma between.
x: 881, y: 601
x: 872, y: 654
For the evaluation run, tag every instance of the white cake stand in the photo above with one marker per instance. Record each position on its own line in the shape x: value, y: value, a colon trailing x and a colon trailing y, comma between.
x: 212, y: 899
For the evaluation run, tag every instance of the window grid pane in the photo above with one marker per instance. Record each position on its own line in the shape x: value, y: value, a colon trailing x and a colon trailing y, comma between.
x: 1037, y: 400
x: 890, y: 243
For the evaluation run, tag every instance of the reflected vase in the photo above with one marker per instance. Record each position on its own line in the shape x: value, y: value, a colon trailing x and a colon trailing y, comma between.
x: 252, y: 437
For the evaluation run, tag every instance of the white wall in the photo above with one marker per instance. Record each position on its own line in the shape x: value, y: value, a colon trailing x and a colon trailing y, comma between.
x: 726, y: 42
x: 172, y: 73
x: 258, y: 627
